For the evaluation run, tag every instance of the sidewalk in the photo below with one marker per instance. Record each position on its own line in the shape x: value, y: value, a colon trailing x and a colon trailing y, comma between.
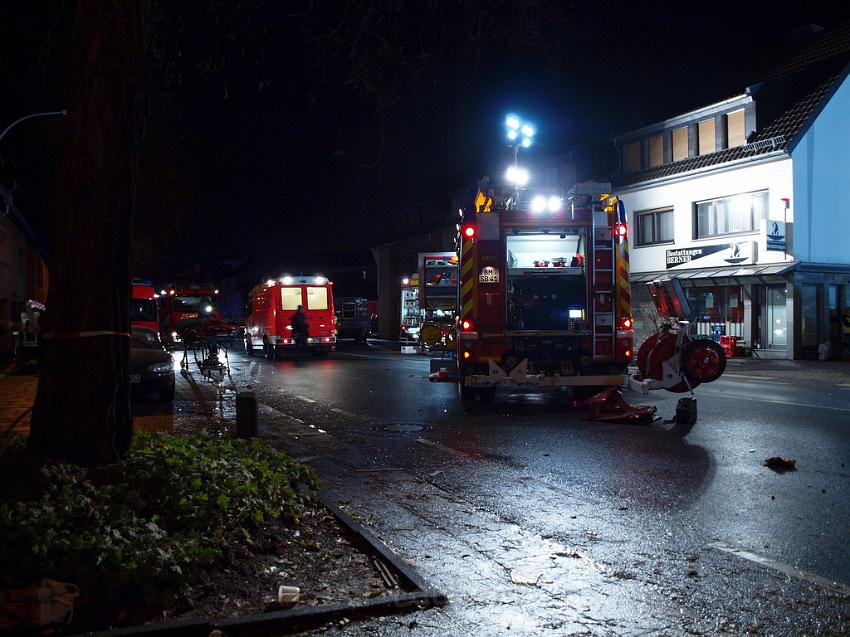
x: 197, y: 405
x: 827, y: 372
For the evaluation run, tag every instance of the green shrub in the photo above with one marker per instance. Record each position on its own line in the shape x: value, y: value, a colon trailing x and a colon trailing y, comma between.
x: 150, y: 524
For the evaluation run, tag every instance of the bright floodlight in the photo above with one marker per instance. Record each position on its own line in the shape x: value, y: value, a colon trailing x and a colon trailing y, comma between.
x: 527, y: 130
x: 538, y: 204
x: 270, y: 282
x: 512, y: 134
x: 208, y: 308
x: 287, y: 280
x: 516, y: 175
x: 405, y: 281
x: 512, y: 121
x: 553, y: 204
x: 526, y: 142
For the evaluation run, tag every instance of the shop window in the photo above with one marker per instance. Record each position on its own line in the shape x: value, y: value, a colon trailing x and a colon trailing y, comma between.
x: 775, y: 317
x: 680, y: 143
x: 654, y: 227
x: 729, y: 215
x: 717, y: 311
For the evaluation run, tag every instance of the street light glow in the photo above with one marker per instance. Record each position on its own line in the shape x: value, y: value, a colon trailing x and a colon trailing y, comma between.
x: 526, y: 142
x: 512, y: 122
x: 553, y: 203
x: 512, y: 134
x: 517, y: 176
x: 528, y: 130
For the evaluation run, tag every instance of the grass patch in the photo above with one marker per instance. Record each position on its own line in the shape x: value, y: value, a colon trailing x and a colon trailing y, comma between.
x: 135, y: 535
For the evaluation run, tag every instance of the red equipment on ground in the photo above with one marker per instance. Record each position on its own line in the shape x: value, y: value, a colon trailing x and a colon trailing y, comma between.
x: 610, y: 406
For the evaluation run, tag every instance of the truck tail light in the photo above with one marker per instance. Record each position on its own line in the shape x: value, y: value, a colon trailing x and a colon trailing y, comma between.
x: 621, y: 230
x: 626, y: 322
x: 466, y: 325
x: 468, y: 231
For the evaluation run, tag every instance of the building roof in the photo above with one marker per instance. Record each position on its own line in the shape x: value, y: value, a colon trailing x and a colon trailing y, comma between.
x: 795, y: 83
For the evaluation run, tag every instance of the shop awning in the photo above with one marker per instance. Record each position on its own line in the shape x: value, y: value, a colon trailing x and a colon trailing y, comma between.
x: 727, y: 275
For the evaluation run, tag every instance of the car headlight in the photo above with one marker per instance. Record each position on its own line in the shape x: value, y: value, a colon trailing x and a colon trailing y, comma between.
x: 161, y: 368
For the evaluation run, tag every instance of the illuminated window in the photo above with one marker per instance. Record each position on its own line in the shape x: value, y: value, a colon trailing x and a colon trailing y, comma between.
x: 729, y: 215
x: 290, y: 298
x: 317, y: 298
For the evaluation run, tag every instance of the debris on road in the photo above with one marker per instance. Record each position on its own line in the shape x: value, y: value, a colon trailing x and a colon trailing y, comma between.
x: 781, y: 465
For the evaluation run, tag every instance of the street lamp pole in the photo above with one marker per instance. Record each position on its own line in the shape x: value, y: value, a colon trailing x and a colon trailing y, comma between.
x: 26, y: 117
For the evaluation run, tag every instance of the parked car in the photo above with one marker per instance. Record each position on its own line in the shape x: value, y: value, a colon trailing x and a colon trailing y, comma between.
x: 151, y: 367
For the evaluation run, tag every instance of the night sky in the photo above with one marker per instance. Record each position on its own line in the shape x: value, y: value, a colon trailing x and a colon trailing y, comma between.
x: 310, y: 125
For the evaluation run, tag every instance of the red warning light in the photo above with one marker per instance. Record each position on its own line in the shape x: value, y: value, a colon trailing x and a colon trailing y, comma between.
x: 466, y: 325
x: 469, y: 231
x: 626, y: 323
x: 621, y: 229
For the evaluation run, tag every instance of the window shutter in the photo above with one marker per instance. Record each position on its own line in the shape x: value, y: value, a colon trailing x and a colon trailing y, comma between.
x: 656, y: 150
x: 706, y: 137
x: 735, y: 129
x: 680, y: 143
x: 633, y: 152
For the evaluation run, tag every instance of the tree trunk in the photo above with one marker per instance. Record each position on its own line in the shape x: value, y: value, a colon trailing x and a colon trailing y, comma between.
x: 82, y: 409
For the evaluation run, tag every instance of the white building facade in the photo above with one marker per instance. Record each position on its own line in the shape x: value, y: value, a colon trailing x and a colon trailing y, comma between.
x: 747, y: 203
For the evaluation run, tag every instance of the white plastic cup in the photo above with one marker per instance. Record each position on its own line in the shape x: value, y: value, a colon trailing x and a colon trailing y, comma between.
x: 288, y: 594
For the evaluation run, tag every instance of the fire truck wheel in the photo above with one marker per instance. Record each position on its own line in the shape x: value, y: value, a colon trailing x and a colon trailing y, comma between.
x: 703, y: 360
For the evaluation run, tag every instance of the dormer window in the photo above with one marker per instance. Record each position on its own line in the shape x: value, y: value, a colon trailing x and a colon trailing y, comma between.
x: 735, y: 129
x: 656, y: 150
x: 707, y: 140
x: 680, y: 143
x: 633, y: 157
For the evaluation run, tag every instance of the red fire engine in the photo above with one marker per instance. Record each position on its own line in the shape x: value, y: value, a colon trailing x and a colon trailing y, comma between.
x: 183, y: 305
x: 273, y: 303
x: 545, y: 300
x: 143, y: 308
x: 544, y: 291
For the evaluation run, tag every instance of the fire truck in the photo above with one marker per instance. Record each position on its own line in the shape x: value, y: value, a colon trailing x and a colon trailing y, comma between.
x: 438, y: 297
x: 268, y: 327
x: 545, y: 301
x: 143, y: 307
x: 183, y: 305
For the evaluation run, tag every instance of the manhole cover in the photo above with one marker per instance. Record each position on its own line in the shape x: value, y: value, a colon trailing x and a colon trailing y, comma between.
x: 403, y: 428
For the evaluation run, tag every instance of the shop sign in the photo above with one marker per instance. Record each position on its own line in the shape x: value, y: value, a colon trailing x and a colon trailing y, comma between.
x: 775, y: 238
x: 708, y: 256
x: 488, y: 274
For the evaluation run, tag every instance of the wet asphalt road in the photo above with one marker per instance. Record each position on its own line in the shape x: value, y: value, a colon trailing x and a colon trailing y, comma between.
x: 677, y: 529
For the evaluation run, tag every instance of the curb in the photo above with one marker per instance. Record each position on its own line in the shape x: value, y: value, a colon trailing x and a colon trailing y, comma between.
x: 294, y: 620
